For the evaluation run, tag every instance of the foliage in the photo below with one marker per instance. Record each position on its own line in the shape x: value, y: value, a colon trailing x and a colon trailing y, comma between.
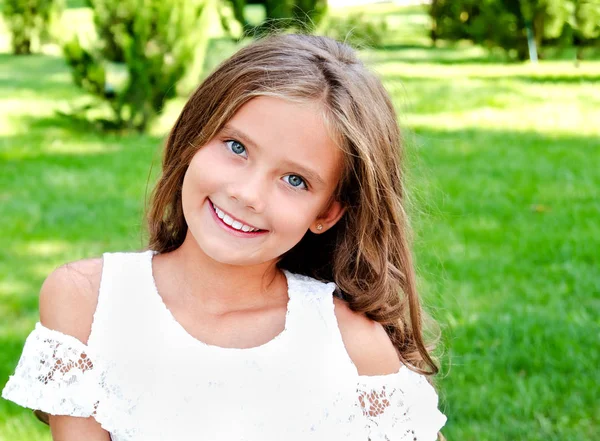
x: 28, y: 20
x: 355, y: 29
x: 282, y: 14
x: 585, y: 19
x: 504, y: 23
x: 582, y: 24
x: 144, y: 49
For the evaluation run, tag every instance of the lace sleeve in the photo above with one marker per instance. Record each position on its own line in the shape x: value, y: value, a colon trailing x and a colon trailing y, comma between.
x: 56, y: 374
x: 400, y: 407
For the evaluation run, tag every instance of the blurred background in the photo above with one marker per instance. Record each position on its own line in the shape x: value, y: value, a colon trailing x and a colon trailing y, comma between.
x: 499, y: 101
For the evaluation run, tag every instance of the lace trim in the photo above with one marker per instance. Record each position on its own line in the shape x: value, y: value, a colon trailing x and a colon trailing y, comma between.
x: 59, y: 375
x: 55, y: 375
x: 399, y: 407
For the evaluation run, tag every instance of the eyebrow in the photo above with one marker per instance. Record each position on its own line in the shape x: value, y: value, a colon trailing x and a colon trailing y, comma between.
x: 309, y: 174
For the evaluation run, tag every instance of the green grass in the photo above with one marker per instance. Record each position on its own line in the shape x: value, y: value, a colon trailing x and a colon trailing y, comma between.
x: 504, y: 165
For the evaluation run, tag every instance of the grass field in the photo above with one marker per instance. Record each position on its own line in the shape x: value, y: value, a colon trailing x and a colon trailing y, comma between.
x: 504, y: 165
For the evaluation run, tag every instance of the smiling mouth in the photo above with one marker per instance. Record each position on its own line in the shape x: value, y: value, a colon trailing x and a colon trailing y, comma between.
x: 234, y: 223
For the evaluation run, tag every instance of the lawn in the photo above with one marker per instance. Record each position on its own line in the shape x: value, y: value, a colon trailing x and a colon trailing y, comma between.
x: 504, y: 182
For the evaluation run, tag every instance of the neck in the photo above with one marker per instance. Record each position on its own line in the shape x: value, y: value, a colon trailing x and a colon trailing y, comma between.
x: 220, y: 287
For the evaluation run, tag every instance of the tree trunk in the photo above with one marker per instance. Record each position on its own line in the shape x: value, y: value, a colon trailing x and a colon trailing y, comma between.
x: 21, y: 45
x: 538, y: 31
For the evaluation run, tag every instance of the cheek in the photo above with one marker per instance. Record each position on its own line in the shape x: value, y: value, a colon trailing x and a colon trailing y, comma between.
x: 293, y: 214
x: 204, y: 172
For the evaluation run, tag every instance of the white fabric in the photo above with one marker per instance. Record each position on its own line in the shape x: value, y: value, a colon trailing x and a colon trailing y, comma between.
x: 144, y: 378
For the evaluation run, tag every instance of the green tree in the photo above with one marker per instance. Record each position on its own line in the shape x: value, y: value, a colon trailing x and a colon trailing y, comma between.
x: 28, y: 20
x: 282, y: 14
x: 144, y: 49
x: 504, y: 23
x: 583, y: 24
x: 587, y: 19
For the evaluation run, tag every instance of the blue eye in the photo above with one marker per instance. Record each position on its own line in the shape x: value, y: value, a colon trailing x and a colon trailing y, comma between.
x: 236, y: 148
x: 296, y: 181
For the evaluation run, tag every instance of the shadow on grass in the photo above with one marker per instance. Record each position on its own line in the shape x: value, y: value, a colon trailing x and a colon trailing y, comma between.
x: 34, y: 72
x: 554, y: 79
x: 66, y: 137
x: 442, y: 54
x: 71, y: 124
x: 459, y: 53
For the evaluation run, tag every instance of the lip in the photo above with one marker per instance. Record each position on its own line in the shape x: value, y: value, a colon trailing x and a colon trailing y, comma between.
x: 232, y: 230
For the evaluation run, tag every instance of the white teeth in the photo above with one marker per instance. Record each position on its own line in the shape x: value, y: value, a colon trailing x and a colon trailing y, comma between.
x: 233, y: 223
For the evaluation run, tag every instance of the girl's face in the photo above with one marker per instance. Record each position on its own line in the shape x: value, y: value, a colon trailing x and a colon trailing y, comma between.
x: 253, y: 191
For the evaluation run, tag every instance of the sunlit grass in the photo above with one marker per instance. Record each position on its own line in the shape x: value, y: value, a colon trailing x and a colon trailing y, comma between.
x: 504, y: 177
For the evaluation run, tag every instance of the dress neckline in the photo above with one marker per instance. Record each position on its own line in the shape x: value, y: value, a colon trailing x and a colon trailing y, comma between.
x: 167, y: 312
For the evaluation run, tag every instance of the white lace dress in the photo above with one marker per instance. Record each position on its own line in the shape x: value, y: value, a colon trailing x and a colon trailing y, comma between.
x: 144, y: 378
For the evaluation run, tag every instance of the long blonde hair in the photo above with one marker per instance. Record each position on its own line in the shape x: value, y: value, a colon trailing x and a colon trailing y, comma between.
x: 367, y: 253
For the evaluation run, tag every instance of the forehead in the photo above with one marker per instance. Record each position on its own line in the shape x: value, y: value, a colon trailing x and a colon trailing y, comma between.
x: 289, y: 133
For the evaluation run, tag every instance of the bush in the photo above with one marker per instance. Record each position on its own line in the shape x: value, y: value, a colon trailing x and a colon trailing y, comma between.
x: 582, y: 27
x: 144, y: 49
x: 28, y: 20
x: 355, y: 30
x: 504, y: 23
x: 281, y: 14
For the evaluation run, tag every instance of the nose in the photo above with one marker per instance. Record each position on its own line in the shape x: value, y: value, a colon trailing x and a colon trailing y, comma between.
x: 250, y: 190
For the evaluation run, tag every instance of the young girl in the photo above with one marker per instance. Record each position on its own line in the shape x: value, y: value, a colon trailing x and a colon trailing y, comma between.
x: 277, y: 298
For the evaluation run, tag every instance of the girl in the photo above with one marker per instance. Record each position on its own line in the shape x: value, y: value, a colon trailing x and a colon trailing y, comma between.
x: 281, y: 173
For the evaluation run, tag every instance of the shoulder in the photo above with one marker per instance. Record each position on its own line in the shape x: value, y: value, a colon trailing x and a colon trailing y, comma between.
x: 366, y: 342
x: 69, y: 296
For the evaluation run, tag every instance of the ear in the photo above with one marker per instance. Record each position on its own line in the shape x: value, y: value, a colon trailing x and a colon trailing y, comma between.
x: 328, y: 218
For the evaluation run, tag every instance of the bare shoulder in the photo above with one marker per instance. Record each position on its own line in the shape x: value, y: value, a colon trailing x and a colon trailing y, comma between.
x: 69, y: 296
x: 366, y: 341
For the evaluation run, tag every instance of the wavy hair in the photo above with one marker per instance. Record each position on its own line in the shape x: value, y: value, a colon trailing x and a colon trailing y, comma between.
x: 367, y: 253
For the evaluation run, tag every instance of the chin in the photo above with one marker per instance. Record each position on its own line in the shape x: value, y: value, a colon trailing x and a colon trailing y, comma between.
x: 227, y: 256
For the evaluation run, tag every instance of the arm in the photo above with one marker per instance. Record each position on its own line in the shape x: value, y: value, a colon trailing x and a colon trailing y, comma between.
x: 68, y: 428
x: 366, y: 342
x: 68, y: 299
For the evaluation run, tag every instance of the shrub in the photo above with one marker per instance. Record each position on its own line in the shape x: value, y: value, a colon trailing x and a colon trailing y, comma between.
x: 281, y: 14
x: 144, y: 49
x: 583, y: 25
x: 504, y: 23
x: 355, y: 30
x: 28, y: 20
